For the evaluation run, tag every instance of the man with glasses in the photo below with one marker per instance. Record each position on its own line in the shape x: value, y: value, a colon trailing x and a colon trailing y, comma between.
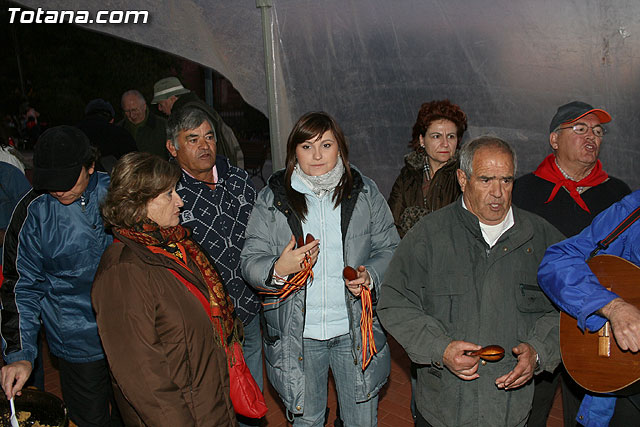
x: 148, y: 129
x: 568, y: 189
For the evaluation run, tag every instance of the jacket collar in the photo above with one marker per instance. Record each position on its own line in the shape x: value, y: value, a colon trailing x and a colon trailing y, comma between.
x: 223, y: 168
x: 521, y: 231
x: 151, y: 258
x: 277, y: 185
x: 415, y: 160
x: 88, y: 192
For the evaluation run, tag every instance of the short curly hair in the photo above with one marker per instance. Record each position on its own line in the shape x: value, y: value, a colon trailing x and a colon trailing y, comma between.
x: 136, y: 179
x: 437, y: 110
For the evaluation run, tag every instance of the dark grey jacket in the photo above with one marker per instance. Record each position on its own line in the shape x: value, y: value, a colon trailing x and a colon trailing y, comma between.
x: 369, y: 238
x: 444, y: 283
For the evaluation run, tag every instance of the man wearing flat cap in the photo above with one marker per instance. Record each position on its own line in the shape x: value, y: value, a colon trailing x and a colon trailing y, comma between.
x: 171, y: 96
x: 52, y: 249
x: 568, y: 189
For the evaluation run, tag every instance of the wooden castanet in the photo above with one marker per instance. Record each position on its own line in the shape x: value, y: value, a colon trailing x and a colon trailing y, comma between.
x: 350, y: 273
x: 490, y: 353
x: 593, y: 359
x: 308, y: 240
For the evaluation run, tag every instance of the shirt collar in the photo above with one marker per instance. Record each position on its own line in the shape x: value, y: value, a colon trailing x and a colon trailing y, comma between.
x: 491, y: 233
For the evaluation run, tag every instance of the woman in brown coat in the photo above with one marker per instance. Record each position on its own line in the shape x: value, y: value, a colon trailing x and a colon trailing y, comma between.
x: 436, y: 138
x: 162, y: 312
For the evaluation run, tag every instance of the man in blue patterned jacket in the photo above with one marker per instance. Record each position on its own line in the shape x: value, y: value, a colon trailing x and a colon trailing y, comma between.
x: 218, y: 198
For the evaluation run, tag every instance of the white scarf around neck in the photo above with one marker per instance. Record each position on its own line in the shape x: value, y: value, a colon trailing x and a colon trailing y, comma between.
x: 322, y: 184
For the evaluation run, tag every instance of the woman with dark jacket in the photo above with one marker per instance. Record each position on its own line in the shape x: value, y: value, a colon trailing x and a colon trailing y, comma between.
x: 163, y: 315
x: 436, y: 138
x: 317, y: 326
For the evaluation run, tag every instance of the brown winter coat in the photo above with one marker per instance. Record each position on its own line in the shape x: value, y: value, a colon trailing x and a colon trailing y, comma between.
x: 409, y: 201
x: 159, y: 341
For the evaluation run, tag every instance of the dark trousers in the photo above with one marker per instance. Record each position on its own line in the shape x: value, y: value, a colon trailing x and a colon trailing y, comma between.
x: 36, y: 379
x: 544, y: 392
x: 420, y: 421
x: 627, y: 412
x: 87, y: 393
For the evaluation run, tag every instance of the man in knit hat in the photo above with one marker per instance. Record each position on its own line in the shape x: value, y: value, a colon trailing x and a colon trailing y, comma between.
x: 53, y: 245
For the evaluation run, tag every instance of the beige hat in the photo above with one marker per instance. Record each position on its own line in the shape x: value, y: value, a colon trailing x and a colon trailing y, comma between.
x: 166, y: 88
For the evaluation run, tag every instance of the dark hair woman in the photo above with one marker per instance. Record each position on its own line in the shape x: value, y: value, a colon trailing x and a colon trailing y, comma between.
x: 163, y: 316
x: 436, y: 139
x: 317, y: 327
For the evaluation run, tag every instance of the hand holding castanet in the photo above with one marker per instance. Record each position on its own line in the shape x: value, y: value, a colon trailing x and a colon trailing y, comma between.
x: 357, y: 281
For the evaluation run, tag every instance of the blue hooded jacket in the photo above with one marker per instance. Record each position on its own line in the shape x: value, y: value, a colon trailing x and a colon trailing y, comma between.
x: 51, y: 255
x: 567, y: 279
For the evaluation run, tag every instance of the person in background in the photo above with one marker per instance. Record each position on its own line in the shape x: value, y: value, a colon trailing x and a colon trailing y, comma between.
x: 565, y: 276
x: 317, y: 328
x: 111, y: 141
x: 154, y: 295
x: 57, y: 238
x: 436, y: 137
x: 148, y: 129
x: 8, y: 153
x: 13, y: 186
x: 568, y: 189
x: 218, y: 198
x: 465, y: 277
x: 171, y: 96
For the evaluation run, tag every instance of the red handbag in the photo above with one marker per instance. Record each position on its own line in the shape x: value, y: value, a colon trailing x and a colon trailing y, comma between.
x: 246, y: 396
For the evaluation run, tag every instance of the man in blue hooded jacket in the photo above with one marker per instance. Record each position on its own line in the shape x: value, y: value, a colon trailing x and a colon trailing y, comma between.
x: 569, y: 282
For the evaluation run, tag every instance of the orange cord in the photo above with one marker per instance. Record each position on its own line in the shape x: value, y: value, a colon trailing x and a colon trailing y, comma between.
x: 290, y: 286
x: 366, y: 327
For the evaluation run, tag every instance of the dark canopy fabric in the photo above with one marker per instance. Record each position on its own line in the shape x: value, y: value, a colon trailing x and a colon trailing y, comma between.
x: 371, y: 63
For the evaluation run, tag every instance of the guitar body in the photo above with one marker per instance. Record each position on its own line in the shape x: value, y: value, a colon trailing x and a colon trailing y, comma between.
x: 589, y: 365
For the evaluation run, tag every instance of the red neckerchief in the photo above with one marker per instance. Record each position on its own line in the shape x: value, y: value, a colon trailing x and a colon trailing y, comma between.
x: 549, y: 171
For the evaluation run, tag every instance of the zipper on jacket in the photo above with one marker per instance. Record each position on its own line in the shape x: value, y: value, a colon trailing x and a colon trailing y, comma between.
x: 524, y: 287
x: 450, y: 308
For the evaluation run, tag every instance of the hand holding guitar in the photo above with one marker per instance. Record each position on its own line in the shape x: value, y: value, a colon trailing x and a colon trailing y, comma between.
x: 625, y: 322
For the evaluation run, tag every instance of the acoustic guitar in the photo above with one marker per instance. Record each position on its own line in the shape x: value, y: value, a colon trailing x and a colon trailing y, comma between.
x: 593, y: 359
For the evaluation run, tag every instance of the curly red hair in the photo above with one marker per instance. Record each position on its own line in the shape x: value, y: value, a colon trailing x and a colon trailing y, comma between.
x: 437, y: 110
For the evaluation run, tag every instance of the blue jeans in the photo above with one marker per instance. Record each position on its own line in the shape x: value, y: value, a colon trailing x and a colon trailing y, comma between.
x: 334, y: 353
x: 252, y: 349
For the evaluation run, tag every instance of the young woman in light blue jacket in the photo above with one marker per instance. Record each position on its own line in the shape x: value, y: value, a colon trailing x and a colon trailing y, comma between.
x: 318, y: 326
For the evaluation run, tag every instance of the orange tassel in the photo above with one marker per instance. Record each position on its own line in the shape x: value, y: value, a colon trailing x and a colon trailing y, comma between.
x: 366, y: 327
x: 291, y: 286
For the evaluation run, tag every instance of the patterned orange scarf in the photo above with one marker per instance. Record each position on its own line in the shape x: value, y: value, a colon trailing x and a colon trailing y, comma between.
x: 176, y: 242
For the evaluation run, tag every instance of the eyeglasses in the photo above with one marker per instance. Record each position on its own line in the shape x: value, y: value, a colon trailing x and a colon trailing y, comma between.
x: 581, y: 129
x: 133, y: 111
